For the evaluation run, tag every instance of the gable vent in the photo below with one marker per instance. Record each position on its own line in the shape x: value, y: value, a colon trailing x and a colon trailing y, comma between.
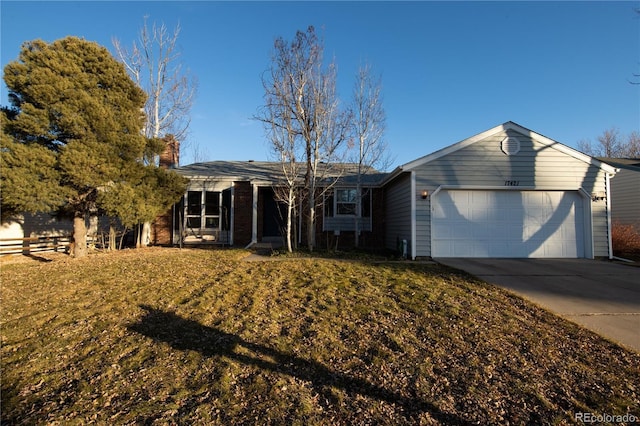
x: 510, y: 145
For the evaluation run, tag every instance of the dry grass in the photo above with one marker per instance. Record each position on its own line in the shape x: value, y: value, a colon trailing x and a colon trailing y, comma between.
x: 164, y: 336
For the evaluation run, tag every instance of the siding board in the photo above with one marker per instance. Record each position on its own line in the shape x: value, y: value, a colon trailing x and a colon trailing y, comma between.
x: 537, y: 165
x: 625, y: 197
x: 398, y: 211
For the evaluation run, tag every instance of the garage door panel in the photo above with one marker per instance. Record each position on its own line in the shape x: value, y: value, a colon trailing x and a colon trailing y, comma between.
x: 478, y: 223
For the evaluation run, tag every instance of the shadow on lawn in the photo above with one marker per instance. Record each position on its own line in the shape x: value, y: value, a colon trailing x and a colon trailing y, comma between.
x: 185, y: 334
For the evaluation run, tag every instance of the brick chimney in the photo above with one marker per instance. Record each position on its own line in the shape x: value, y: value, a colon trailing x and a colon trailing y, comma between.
x: 170, y: 158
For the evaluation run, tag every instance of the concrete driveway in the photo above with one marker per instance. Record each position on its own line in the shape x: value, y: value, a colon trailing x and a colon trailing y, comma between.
x: 599, y: 295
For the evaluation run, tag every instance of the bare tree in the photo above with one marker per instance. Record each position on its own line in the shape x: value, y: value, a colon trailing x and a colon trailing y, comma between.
x: 609, y: 142
x: 286, y: 145
x: 368, y: 127
x: 632, y: 147
x: 610, y: 145
x: 199, y: 154
x: 302, y: 93
x: 154, y: 64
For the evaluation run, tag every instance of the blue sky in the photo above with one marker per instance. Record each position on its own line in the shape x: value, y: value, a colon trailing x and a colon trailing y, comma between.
x: 449, y: 70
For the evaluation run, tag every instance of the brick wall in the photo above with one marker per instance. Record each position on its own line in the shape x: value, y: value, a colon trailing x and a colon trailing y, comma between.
x: 170, y: 157
x: 243, y: 210
x: 162, y: 226
x: 161, y: 229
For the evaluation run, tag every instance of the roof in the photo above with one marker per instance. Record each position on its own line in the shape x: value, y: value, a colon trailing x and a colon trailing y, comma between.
x: 622, y: 163
x: 271, y: 172
x: 509, y: 125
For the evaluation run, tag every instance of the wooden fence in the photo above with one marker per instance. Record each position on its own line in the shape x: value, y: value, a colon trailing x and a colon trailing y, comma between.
x: 34, y: 244
x: 56, y: 243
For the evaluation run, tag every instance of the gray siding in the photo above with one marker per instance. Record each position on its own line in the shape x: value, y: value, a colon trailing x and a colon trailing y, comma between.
x: 536, y: 166
x: 398, y: 211
x: 625, y: 197
x: 345, y: 223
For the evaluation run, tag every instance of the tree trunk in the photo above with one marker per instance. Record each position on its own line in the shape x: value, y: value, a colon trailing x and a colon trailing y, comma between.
x: 289, y: 213
x: 79, y: 237
x: 289, y: 249
x: 112, y: 238
x: 138, y: 235
x: 145, y: 237
x: 124, y: 233
x: 358, y: 216
x: 311, y: 224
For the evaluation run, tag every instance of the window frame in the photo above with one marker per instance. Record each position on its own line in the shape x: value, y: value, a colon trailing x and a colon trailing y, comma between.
x: 199, y: 214
x: 337, y: 202
x: 331, y: 203
x: 215, y: 217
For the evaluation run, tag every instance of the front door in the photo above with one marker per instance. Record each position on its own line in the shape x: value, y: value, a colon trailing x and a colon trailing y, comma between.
x: 273, y: 216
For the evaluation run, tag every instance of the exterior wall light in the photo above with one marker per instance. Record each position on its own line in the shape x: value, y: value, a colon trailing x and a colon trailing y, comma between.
x: 424, y: 194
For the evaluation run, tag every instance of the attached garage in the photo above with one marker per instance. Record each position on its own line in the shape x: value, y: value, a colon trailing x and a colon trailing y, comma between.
x: 507, y: 223
x: 506, y: 192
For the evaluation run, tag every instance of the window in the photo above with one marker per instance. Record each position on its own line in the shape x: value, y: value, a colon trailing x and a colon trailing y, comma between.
x: 346, y: 201
x: 203, y: 208
x: 343, y: 202
x: 328, y: 204
x: 510, y: 145
x: 194, y: 209
x: 212, y: 210
x: 194, y: 205
x: 366, y: 203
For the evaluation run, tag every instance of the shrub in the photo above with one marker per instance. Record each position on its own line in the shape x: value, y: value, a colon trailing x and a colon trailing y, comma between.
x: 625, y: 239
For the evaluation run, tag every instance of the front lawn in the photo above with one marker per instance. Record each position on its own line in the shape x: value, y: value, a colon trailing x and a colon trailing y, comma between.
x: 172, y: 336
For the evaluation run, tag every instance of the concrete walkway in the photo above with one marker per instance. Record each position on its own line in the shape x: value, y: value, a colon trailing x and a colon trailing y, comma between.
x: 599, y: 295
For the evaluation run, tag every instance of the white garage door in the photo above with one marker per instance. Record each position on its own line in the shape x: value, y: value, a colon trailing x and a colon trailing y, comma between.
x: 479, y: 223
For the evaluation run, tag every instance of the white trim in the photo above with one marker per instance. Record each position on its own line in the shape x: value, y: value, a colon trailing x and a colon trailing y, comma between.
x: 254, y: 215
x: 509, y: 125
x: 335, y: 202
x: 607, y: 179
x: 510, y: 145
x: 451, y: 148
x: 232, y: 214
x: 507, y: 188
x: 413, y: 216
x: 587, y: 214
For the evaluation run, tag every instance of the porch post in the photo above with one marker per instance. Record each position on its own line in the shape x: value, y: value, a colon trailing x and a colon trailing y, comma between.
x: 254, y: 218
x: 232, y: 214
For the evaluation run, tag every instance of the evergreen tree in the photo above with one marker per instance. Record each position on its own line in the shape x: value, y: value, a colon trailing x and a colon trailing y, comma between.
x: 28, y: 175
x: 78, y: 118
x: 147, y: 192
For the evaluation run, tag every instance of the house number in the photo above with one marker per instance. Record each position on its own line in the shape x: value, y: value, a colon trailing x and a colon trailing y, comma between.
x: 511, y: 183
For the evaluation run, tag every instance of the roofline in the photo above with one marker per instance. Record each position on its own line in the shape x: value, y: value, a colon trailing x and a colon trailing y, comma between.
x: 391, y: 176
x: 614, y: 163
x: 271, y: 183
x: 509, y: 125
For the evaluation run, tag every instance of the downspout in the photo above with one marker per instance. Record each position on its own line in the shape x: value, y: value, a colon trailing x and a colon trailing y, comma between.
x: 607, y: 180
x: 232, y: 214
x: 413, y: 215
